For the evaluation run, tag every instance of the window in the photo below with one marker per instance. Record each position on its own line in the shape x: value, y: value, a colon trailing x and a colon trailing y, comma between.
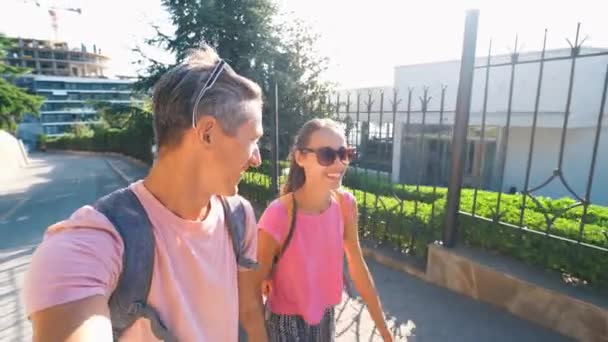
x: 48, y: 117
x: 50, y: 85
x: 45, y: 54
x: 52, y: 107
x: 76, y: 57
x: 51, y: 130
x: 58, y: 97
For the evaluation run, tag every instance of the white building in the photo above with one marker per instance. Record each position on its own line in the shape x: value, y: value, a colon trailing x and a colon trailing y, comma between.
x: 498, y: 147
x: 68, y: 102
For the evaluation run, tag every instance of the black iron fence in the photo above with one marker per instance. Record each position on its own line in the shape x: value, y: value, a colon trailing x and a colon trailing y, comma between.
x: 492, y: 157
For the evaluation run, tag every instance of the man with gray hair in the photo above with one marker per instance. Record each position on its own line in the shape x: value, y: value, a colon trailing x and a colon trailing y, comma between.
x: 169, y: 257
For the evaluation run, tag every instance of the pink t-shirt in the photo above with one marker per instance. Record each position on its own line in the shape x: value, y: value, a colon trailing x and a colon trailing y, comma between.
x: 308, y: 277
x: 194, y: 284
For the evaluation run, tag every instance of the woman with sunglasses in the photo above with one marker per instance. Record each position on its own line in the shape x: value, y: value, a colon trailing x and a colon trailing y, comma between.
x: 303, y: 237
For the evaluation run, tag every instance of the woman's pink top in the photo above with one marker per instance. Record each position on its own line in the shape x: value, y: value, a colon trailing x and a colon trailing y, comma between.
x: 308, y: 277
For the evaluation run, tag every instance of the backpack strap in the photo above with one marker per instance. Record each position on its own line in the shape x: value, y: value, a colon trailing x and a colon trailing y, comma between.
x: 128, y: 302
x: 236, y: 222
x: 292, y: 208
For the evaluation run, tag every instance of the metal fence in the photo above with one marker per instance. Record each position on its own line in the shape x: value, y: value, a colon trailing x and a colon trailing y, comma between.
x: 469, y: 171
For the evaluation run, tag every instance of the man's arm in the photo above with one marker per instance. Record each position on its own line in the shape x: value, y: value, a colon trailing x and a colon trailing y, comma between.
x: 69, y: 279
x: 86, y: 319
x: 251, y: 309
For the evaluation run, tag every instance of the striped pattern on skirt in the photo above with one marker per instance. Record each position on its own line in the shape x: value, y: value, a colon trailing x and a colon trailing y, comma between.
x: 293, y: 328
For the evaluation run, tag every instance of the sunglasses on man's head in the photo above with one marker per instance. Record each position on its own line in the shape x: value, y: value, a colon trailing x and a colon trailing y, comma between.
x: 327, y: 155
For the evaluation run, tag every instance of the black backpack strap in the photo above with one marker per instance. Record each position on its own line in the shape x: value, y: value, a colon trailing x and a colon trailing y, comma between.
x: 292, y: 228
x: 128, y: 302
x: 236, y: 223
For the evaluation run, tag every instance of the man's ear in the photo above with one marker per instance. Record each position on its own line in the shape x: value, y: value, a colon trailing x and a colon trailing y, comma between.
x: 206, y: 128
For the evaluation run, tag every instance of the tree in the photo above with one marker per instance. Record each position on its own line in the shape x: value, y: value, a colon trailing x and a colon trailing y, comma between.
x: 238, y: 29
x: 297, y: 70
x: 258, y: 44
x: 115, y: 115
x: 137, y: 119
x: 81, y: 130
x: 14, y: 101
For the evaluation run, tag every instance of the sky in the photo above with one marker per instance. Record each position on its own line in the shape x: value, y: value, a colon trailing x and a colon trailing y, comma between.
x: 364, y: 40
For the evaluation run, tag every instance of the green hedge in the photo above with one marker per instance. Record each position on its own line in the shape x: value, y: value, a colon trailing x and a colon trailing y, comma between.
x: 412, y: 224
x: 567, y: 224
x: 134, y: 141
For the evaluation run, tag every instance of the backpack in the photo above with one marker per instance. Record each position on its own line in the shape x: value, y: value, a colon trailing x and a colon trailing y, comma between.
x: 291, y: 214
x: 128, y: 302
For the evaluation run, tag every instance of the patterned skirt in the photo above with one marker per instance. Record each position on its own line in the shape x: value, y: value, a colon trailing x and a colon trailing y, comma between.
x: 293, y: 328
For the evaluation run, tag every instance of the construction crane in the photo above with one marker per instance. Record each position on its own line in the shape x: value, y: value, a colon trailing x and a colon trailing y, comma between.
x: 52, y: 10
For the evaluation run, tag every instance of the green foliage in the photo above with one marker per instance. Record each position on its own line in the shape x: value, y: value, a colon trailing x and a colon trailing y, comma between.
x: 563, y: 224
x: 81, y: 130
x: 241, y: 32
x: 135, y: 139
x: 266, y: 167
x: 259, y: 44
x: 14, y: 101
x: 121, y: 115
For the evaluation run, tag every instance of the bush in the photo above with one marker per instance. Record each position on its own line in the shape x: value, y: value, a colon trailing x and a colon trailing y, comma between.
x: 266, y: 167
x: 410, y: 225
x: 567, y: 224
x: 135, y: 140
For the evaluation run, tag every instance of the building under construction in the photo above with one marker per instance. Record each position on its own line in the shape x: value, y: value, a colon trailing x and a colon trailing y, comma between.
x: 70, y: 80
x: 50, y: 58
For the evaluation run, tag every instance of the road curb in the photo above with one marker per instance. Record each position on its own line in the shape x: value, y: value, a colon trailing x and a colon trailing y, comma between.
x: 120, y: 173
x: 393, y: 263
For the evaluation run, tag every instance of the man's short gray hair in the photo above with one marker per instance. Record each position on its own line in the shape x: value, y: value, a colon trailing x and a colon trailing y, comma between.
x: 176, y: 91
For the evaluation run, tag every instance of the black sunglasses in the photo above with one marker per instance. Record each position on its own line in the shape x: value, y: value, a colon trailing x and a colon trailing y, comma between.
x: 327, y: 155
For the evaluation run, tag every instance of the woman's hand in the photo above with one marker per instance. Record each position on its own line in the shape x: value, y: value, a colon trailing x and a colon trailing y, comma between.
x: 387, y: 336
x: 266, y: 288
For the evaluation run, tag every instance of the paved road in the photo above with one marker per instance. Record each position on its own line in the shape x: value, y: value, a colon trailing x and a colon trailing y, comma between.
x: 54, y: 185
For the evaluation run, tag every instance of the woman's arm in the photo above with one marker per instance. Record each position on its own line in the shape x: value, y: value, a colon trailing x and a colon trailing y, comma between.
x: 362, y: 279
